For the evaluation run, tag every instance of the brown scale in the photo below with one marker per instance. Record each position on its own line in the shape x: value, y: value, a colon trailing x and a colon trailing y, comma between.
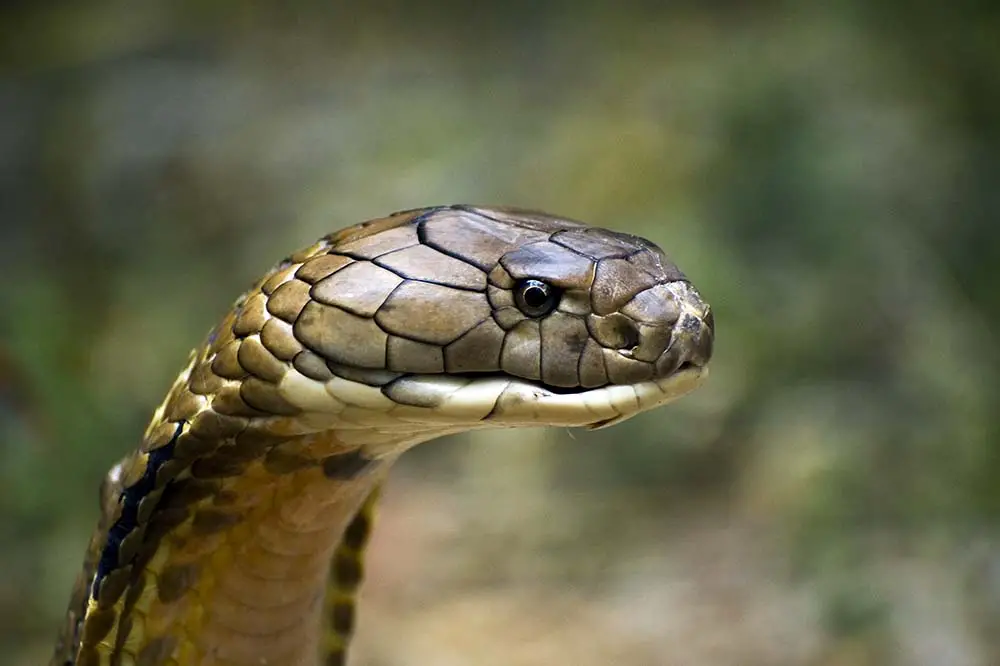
x: 249, y: 503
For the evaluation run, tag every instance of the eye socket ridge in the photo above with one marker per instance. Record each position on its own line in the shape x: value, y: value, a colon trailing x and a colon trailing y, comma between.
x: 536, y: 298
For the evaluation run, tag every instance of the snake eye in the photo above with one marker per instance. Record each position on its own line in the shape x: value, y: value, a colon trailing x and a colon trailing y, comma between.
x: 535, y: 298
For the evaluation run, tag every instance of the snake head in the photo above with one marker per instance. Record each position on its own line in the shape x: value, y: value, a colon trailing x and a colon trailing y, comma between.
x: 453, y: 318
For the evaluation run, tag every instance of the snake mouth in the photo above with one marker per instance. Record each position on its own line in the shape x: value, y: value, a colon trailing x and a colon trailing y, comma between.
x: 591, y: 408
x: 534, y: 384
x: 685, y: 367
x: 419, y: 402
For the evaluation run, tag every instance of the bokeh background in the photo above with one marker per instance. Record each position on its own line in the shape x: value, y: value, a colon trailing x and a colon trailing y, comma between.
x: 827, y: 173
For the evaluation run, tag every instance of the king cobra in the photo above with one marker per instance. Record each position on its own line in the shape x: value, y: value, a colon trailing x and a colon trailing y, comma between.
x: 235, y: 534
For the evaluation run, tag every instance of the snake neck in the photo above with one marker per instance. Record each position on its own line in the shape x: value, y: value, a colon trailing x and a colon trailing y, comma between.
x: 237, y: 557
x: 220, y: 529
x: 255, y: 580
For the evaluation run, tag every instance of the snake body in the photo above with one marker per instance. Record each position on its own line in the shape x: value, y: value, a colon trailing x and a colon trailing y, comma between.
x: 235, y: 534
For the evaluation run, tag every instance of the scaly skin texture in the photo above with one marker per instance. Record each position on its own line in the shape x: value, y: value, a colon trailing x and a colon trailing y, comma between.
x: 234, y: 535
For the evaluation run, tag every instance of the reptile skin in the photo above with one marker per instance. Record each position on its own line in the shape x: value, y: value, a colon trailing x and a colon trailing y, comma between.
x: 234, y: 535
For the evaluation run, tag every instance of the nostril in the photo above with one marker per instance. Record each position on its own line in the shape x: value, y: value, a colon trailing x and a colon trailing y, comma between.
x: 630, y: 336
x: 649, y: 343
x: 614, y: 331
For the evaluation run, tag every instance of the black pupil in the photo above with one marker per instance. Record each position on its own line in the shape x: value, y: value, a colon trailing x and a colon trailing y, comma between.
x: 535, y: 298
x: 536, y: 295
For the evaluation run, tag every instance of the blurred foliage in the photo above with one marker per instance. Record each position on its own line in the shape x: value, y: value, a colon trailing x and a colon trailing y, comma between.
x: 825, y: 172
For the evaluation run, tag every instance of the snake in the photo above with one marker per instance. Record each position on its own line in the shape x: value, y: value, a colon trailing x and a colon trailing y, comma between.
x: 234, y: 535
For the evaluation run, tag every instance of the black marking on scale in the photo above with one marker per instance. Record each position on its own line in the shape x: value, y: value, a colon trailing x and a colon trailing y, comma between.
x: 128, y: 520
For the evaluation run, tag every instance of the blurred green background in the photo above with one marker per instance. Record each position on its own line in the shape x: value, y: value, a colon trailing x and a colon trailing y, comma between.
x: 828, y: 174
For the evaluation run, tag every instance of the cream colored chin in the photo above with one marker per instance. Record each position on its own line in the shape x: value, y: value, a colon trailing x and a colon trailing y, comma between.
x: 438, y: 403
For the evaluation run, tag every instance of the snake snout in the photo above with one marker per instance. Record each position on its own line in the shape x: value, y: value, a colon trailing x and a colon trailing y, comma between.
x: 690, y: 343
x: 672, y: 327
